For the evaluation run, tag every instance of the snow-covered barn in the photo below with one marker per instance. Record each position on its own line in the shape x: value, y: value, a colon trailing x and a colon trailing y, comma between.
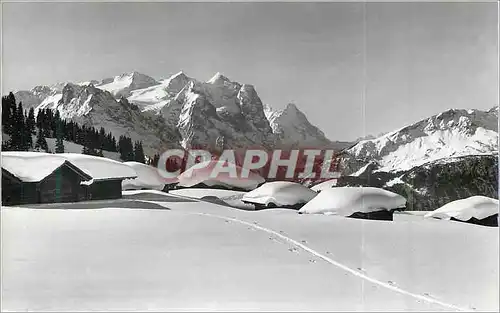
x: 32, y: 177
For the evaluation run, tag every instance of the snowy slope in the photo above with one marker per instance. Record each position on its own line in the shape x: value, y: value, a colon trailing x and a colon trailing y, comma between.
x: 71, y: 147
x: 122, y: 85
x: 91, y: 106
x: 203, y: 257
x: 37, y: 95
x: 157, y: 96
x: 452, y: 133
x: 433, y: 184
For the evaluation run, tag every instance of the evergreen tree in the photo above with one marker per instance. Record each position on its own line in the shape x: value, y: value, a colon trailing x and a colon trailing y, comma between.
x: 154, y: 161
x: 31, y: 122
x: 6, y: 145
x: 139, y: 152
x: 8, y: 113
x: 18, y: 136
x: 54, y: 123
x: 89, y: 144
x: 46, y: 123
x: 22, y: 127
x: 59, y: 137
x: 28, y: 139
x: 102, y: 138
x: 126, y: 148
x: 41, y: 143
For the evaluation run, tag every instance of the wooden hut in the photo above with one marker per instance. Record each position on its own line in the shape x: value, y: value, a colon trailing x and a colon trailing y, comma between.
x: 63, y: 184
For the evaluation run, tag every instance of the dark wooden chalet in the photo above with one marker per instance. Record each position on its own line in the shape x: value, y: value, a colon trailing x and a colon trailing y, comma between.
x: 62, y: 185
x: 103, y: 189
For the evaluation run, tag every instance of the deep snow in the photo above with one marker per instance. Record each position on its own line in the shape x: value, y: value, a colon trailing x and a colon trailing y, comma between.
x: 281, y: 193
x: 34, y: 166
x: 147, y: 177
x: 478, y: 207
x: 202, y: 256
x: 346, y: 201
x: 219, y: 172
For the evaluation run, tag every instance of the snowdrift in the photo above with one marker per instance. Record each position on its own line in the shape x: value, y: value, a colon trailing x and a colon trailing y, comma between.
x: 473, y: 208
x: 147, y: 178
x: 346, y: 201
x: 201, y: 173
x: 31, y: 166
x: 98, y: 167
x: 280, y: 193
x: 34, y: 166
x: 324, y: 185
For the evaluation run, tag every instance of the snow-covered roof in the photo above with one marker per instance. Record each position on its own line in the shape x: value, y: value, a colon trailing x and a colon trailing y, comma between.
x: 325, y: 185
x: 35, y: 166
x: 147, y: 177
x: 478, y: 207
x: 30, y: 166
x: 280, y: 193
x: 100, y: 168
x: 202, y: 173
x: 346, y: 201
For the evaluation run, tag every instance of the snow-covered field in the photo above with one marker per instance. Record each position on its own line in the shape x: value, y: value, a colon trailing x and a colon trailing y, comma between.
x: 71, y: 147
x: 203, y: 256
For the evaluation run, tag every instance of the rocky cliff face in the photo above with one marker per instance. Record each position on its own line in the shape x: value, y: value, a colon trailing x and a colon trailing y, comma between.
x: 293, y: 129
x: 91, y: 106
x: 236, y: 124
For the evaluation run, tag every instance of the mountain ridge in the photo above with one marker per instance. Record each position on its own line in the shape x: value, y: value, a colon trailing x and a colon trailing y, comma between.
x: 239, y: 120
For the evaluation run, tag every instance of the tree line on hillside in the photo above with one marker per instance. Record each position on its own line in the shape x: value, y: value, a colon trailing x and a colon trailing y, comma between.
x: 21, y: 126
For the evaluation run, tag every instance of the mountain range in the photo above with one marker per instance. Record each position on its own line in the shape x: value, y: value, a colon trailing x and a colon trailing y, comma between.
x: 446, y: 157
x: 179, y: 111
x: 428, y: 157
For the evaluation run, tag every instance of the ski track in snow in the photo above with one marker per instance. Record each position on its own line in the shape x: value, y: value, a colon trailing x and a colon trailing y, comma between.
x: 389, y: 285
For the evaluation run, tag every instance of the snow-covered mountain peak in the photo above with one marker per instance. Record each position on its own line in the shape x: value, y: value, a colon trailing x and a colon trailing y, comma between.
x: 42, y: 90
x: 268, y: 111
x: 221, y: 93
x: 291, y: 107
x: 123, y: 84
x: 455, y: 132
x: 293, y: 112
x: 176, y: 77
x: 219, y: 79
x: 293, y: 128
x: 176, y: 82
x: 494, y: 110
x: 190, y: 111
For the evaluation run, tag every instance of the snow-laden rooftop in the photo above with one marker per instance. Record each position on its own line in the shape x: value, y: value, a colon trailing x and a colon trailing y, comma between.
x: 478, y: 207
x: 345, y: 201
x: 207, y: 173
x: 35, y: 166
x: 147, y: 177
x: 31, y: 166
